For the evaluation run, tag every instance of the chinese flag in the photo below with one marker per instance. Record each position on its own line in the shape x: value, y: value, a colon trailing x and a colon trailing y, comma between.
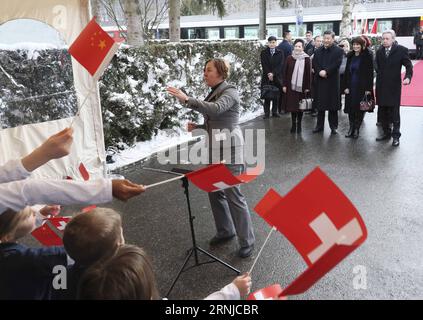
x: 51, y: 232
x: 374, y: 27
x: 94, y: 49
x: 321, y: 223
x: 218, y: 177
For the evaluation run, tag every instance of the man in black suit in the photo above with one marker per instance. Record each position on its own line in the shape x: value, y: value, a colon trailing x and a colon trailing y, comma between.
x: 309, y: 43
x: 272, y: 61
x: 389, y: 60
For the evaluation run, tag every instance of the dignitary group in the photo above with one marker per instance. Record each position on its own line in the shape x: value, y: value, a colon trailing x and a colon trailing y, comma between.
x: 312, y: 76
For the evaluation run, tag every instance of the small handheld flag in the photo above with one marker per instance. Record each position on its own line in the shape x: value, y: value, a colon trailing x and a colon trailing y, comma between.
x: 321, y: 223
x: 94, y: 49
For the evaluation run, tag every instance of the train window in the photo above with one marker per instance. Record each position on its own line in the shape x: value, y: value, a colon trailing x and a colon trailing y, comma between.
x: 302, y: 29
x: 251, y: 32
x: 382, y: 25
x: 231, y: 33
x: 191, y: 34
x: 212, y: 33
x: 274, y: 31
x: 319, y: 28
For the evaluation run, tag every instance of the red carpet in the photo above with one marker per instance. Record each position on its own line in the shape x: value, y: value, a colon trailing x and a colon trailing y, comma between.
x: 412, y: 95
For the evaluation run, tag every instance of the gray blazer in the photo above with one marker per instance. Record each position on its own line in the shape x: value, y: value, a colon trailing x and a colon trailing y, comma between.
x: 221, y: 111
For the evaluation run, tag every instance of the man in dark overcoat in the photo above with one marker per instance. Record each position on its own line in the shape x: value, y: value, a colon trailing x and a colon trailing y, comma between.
x: 390, y: 58
x: 326, y: 62
x: 272, y: 61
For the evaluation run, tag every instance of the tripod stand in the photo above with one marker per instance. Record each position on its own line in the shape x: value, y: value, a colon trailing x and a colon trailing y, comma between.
x: 194, y: 249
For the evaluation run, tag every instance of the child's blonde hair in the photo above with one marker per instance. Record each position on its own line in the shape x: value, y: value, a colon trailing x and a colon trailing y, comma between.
x: 10, y: 223
x: 92, y: 236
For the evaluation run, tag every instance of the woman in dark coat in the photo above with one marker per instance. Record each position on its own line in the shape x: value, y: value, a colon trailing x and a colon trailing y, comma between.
x: 358, y: 84
x: 296, y: 83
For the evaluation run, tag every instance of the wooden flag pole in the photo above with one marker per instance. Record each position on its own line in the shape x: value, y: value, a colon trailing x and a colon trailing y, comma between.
x: 83, y: 102
x: 262, y: 247
x: 164, y: 182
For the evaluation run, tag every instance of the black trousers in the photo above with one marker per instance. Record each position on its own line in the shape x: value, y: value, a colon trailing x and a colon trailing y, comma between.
x: 388, y: 115
x: 419, y: 52
x: 333, y: 119
x: 275, y: 106
x: 356, y: 117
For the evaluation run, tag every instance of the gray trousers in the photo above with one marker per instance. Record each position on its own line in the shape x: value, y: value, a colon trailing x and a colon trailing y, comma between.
x: 230, y: 211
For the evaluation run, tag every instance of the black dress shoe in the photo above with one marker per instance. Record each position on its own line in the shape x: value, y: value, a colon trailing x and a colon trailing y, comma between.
x: 266, y: 117
x: 276, y: 115
x: 215, y: 241
x: 245, y: 252
x: 333, y: 132
x: 384, y: 137
x: 293, y: 128
x: 317, y: 130
x: 395, y: 143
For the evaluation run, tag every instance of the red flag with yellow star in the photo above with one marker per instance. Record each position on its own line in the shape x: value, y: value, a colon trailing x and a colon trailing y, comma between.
x: 94, y: 49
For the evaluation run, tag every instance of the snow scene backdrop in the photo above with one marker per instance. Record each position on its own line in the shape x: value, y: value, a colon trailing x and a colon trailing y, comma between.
x: 37, y: 85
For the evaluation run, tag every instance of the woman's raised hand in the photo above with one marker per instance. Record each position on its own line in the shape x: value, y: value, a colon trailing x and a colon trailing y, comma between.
x: 177, y: 93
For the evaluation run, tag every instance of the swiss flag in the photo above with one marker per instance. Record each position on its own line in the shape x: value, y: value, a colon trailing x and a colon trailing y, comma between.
x: 321, y: 223
x: 218, y: 177
x: 94, y: 49
x: 51, y: 232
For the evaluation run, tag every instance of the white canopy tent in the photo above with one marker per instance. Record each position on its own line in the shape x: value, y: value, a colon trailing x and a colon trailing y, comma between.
x: 68, y: 17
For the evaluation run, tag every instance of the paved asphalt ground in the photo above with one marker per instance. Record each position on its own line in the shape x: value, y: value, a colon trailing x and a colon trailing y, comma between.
x: 384, y: 183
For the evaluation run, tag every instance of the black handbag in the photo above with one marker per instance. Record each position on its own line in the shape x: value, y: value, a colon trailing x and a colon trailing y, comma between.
x: 269, y: 92
x: 367, y: 104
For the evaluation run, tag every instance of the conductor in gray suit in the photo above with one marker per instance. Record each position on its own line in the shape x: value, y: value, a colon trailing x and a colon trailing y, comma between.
x: 221, y: 110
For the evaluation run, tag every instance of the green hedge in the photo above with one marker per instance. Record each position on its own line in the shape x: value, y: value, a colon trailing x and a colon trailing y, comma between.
x: 134, y: 101
x: 133, y: 89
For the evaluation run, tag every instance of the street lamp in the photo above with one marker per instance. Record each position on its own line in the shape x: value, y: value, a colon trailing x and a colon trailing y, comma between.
x: 299, y: 12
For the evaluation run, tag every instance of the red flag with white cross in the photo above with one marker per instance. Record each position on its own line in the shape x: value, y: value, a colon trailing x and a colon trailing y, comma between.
x: 217, y: 177
x: 51, y: 232
x: 321, y: 223
x: 94, y: 49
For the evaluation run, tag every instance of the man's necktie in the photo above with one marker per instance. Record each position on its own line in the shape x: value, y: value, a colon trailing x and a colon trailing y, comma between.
x: 272, y: 52
x: 387, y: 51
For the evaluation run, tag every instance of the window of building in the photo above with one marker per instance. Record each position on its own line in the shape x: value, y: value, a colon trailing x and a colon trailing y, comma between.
x: 302, y: 29
x: 212, y: 33
x: 319, y: 28
x: 251, y: 32
x: 382, y: 25
x: 231, y: 33
x: 275, y: 31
